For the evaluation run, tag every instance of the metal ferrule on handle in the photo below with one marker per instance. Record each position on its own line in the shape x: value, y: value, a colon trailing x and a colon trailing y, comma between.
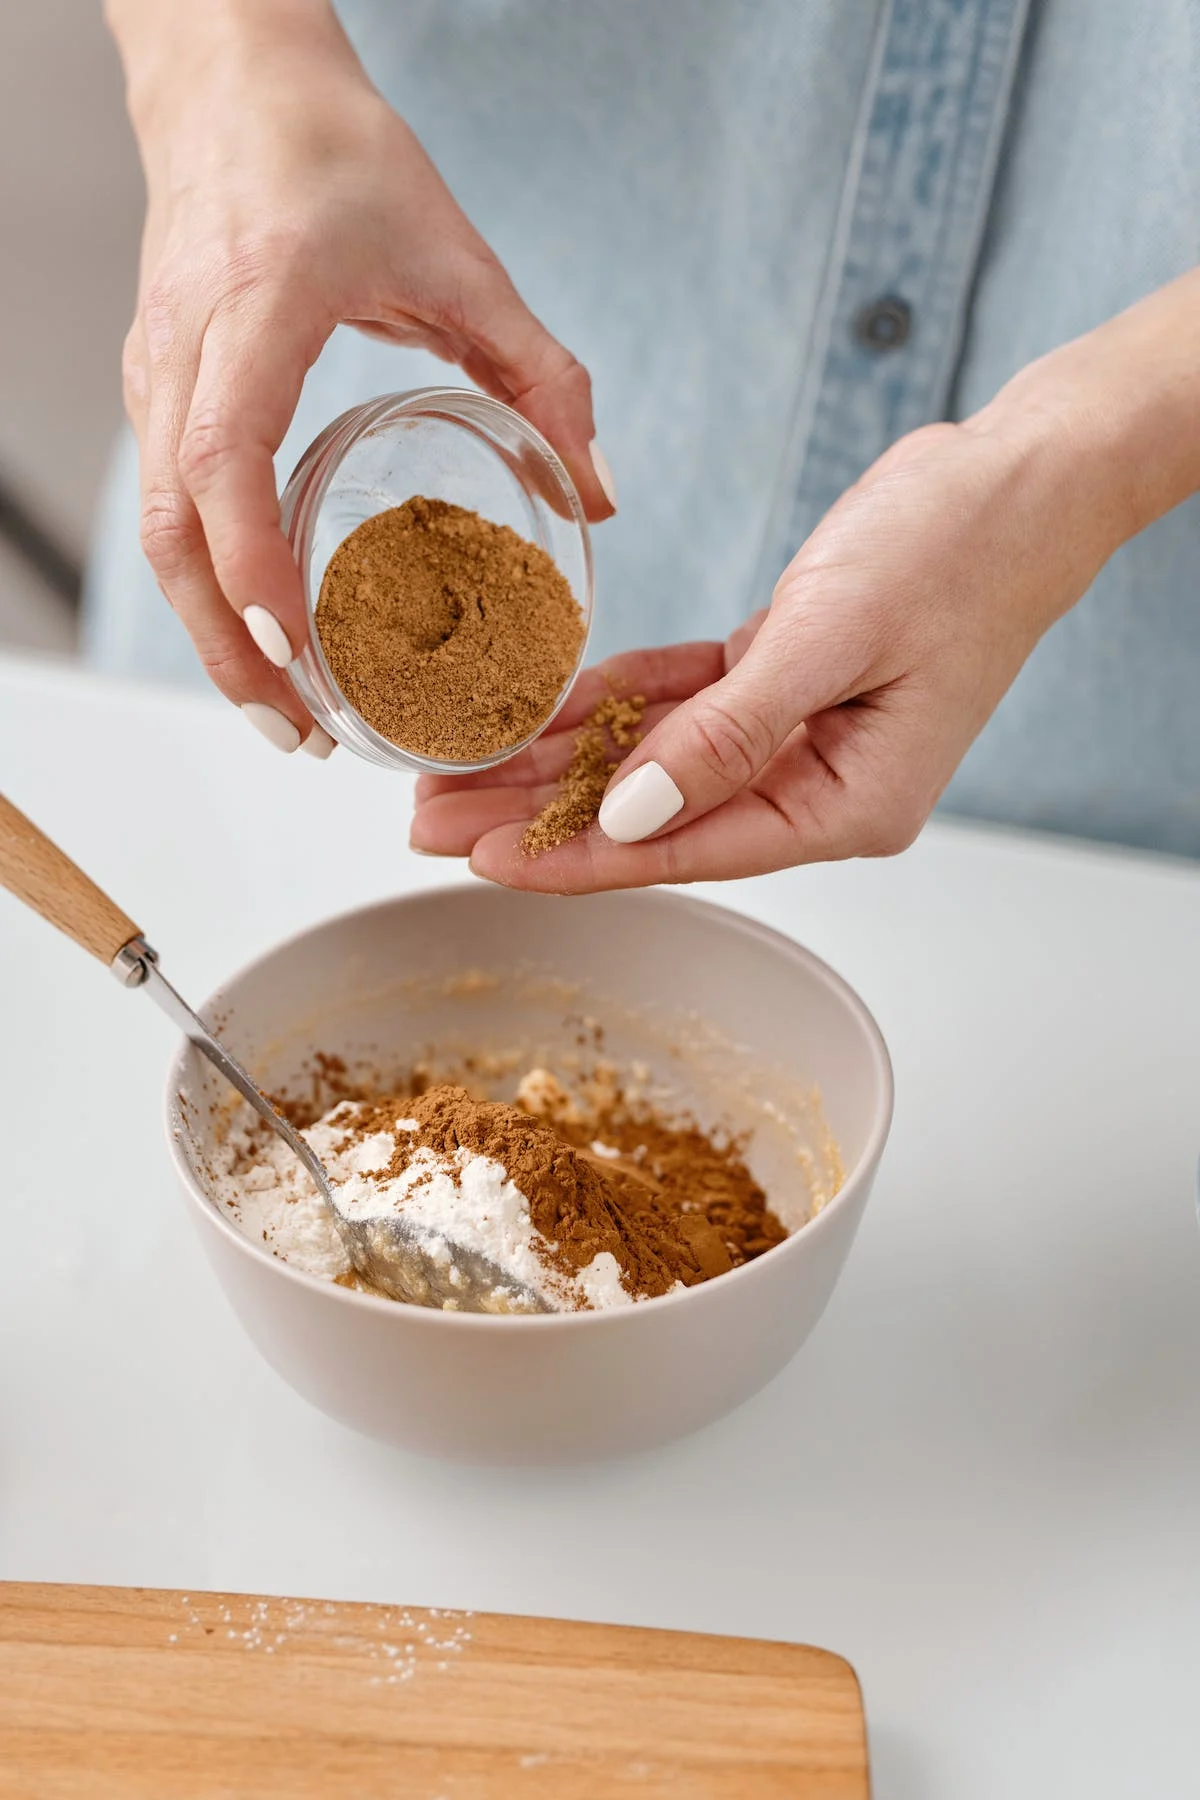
x: 131, y: 965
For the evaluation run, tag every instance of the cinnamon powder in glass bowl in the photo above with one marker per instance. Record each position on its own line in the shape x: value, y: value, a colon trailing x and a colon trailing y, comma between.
x: 451, y: 636
x: 447, y: 573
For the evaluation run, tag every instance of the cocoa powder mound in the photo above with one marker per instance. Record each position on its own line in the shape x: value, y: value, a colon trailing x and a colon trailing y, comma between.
x: 582, y: 785
x: 453, y: 637
x: 582, y: 1204
x: 697, y: 1174
x: 673, y: 1205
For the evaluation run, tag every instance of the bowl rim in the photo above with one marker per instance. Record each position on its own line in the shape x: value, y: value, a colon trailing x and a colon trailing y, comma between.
x: 435, y: 1319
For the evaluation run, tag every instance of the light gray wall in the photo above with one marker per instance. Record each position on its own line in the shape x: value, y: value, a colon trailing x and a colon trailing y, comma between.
x: 70, y: 210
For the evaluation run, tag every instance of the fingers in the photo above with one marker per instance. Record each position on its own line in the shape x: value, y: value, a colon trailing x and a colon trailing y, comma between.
x: 163, y: 362
x: 248, y: 381
x: 670, y: 673
x: 661, y: 677
x: 539, y: 766
x: 800, y: 811
x: 135, y: 378
x: 746, y: 836
x: 447, y: 282
x: 488, y: 827
x: 739, y: 641
x: 453, y: 824
x: 513, y: 357
x: 713, y: 746
x: 175, y: 543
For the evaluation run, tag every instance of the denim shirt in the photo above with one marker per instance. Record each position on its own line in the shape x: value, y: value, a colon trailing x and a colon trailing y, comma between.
x: 781, y: 233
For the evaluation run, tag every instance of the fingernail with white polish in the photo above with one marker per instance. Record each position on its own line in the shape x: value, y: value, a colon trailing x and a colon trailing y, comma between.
x: 603, y: 473
x: 274, y: 727
x: 318, y: 743
x: 268, y: 634
x: 639, y: 805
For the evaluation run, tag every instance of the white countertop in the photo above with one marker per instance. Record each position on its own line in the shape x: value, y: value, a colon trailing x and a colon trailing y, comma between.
x: 980, y: 1480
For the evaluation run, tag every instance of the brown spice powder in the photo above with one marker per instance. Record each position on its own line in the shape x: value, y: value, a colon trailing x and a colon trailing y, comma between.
x: 697, y: 1174
x: 451, y: 636
x: 582, y: 786
x: 676, y: 1208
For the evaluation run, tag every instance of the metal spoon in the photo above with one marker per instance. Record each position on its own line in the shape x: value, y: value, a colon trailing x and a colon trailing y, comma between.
x: 388, y: 1254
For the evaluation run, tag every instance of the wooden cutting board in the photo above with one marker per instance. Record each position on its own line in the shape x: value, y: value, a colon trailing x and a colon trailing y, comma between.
x: 144, y: 1694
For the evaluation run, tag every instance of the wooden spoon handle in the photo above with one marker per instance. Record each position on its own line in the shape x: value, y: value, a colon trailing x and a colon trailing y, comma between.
x: 37, y: 872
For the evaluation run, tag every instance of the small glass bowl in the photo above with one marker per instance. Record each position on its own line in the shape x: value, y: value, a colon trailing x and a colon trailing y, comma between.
x: 446, y: 444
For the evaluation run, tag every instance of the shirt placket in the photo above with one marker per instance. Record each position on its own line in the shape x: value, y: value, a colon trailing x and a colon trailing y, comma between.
x: 892, y: 319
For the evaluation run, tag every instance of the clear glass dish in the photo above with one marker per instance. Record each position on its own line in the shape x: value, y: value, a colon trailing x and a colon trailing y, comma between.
x: 446, y: 444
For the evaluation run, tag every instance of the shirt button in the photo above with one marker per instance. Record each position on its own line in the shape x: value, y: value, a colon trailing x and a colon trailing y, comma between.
x: 884, y: 324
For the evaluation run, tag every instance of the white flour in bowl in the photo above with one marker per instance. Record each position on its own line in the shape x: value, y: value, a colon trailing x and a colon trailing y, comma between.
x: 465, y: 1199
x: 563, y: 1202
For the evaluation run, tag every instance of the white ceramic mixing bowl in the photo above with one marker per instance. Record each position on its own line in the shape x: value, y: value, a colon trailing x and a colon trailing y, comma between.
x: 738, y: 1022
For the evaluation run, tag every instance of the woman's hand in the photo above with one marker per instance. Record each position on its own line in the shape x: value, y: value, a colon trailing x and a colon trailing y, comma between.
x: 285, y: 197
x: 828, y: 726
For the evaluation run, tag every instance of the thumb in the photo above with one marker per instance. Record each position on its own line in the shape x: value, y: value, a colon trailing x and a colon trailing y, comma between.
x: 715, y: 744
x: 513, y: 357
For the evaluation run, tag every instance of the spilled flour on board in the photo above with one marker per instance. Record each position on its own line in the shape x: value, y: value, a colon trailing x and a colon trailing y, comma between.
x: 401, y: 1640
